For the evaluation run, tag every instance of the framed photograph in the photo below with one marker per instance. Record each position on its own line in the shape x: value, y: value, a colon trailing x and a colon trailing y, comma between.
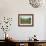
x: 25, y: 20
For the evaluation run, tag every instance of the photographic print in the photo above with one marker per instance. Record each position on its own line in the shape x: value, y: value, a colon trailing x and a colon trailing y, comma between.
x: 25, y: 19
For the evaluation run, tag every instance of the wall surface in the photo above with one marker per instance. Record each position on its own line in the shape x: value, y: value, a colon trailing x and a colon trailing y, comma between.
x: 11, y: 8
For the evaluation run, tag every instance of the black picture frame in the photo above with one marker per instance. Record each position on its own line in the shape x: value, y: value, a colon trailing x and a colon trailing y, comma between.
x: 25, y: 20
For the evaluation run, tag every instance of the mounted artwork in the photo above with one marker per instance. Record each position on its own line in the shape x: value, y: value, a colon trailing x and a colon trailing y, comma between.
x: 25, y: 20
x: 36, y: 3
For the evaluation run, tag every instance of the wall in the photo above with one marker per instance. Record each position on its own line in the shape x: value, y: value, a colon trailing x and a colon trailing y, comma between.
x: 11, y: 8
